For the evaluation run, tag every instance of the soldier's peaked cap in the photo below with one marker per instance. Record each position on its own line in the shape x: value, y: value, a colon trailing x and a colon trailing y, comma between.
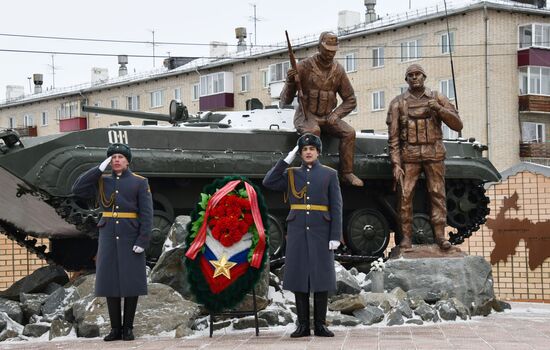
x: 329, y: 40
x: 415, y: 67
x: 120, y: 148
x: 309, y: 140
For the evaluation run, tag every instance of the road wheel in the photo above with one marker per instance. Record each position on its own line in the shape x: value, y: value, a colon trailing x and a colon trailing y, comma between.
x: 367, y: 232
x: 277, y: 239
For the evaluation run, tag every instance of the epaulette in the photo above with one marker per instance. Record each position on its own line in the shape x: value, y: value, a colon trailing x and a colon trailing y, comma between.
x: 136, y: 175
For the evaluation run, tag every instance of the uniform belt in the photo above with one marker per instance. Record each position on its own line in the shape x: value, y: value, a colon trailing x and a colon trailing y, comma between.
x: 119, y: 215
x: 308, y: 207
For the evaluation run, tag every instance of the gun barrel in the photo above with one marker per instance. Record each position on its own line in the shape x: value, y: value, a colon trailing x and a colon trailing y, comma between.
x: 127, y: 113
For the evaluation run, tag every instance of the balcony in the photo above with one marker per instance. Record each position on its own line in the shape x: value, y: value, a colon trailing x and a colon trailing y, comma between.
x: 221, y: 101
x: 27, y: 131
x: 534, y: 103
x: 534, y: 57
x: 534, y: 150
x: 73, y: 124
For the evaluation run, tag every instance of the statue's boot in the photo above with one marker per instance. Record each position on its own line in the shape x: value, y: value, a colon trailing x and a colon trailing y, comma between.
x: 440, y: 240
x: 346, y: 162
x: 351, y: 179
x: 406, y: 241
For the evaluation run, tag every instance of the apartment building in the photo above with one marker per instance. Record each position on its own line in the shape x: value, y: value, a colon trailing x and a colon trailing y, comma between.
x: 501, y: 58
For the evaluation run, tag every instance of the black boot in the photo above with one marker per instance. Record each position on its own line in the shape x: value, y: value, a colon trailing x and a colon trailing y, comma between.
x: 302, y: 309
x: 130, y: 305
x: 113, y: 305
x: 320, y: 301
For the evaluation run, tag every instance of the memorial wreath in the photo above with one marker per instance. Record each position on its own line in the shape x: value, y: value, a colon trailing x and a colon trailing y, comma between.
x: 226, y: 242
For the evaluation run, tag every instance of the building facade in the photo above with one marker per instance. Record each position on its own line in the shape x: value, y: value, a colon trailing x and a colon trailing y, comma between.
x: 500, y: 51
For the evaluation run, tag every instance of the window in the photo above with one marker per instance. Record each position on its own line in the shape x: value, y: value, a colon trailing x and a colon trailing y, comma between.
x: 11, y: 122
x: 410, y: 50
x: 44, y: 119
x: 244, y: 79
x: 403, y: 88
x: 446, y: 87
x: 378, y: 57
x: 277, y: 72
x: 447, y: 42
x: 448, y: 133
x: 532, y: 132
x: 69, y: 110
x: 114, y: 103
x: 133, y: 103
x: 195, y: 92
x: 216, y: 83
x: 534, y: 81
x: 350, y: 62
x: 377, y: 100
x: 28, y: 121
x: 96, y: 104
x: 534, y: 35
x: 177, y: 94
x: 265, y: 78
x: 157, y: 98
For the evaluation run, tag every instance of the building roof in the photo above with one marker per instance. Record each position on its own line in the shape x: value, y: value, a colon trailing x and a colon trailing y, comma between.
x: 386, y: 23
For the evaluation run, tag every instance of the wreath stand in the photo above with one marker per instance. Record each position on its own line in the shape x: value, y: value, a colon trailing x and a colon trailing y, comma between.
x: 238, y: 313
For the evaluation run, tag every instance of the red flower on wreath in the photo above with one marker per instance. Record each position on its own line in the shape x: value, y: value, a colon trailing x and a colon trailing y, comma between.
x: 230, y: 220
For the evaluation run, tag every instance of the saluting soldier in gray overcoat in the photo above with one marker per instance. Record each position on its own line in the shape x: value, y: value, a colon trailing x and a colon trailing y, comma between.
x: 314, y: 230
x: 124, y: 233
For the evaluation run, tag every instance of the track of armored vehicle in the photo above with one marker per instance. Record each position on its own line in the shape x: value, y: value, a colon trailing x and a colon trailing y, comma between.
x: 37, y: 175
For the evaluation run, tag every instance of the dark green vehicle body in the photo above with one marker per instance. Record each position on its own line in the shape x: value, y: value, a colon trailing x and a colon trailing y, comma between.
x: 180, y: 160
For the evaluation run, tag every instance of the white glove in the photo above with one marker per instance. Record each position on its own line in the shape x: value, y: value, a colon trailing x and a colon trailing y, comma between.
x: 333, y: 245
x: 105, y: 163
x: 138, y: 250
x: 291, y: 155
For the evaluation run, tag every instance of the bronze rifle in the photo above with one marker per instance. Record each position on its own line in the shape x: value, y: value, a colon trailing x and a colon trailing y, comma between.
x: 296, y: 77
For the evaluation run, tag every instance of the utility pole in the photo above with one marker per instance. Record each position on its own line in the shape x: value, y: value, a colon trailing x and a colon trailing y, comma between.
x: 153, y: 32
x: 54, y: 68
x: 255, y: 19
x: 53, y: 72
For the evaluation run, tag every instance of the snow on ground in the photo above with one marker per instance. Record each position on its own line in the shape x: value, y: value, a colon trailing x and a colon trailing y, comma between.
x: 519, y: 310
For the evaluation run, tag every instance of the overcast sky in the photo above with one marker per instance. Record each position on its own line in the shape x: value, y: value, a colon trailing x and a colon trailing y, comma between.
x: 198, y: 22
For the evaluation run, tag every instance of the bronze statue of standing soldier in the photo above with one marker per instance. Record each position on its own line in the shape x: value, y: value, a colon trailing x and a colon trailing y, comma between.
x: 416, y: 145
x: 322, y: 79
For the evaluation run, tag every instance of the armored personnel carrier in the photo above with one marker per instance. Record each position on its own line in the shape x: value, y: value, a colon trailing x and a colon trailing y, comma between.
x: 179, y: 158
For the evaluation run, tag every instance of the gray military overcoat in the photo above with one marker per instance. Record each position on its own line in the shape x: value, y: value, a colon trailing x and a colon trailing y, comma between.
x: 119, y: 271
x: 309, y: 264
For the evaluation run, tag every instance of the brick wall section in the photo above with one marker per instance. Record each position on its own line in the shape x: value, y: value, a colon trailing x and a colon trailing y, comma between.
x: 16, y: 262
x: 513, y: 279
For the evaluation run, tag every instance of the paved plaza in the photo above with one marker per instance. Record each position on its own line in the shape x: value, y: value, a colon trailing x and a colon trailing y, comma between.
x: 526, y: 326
